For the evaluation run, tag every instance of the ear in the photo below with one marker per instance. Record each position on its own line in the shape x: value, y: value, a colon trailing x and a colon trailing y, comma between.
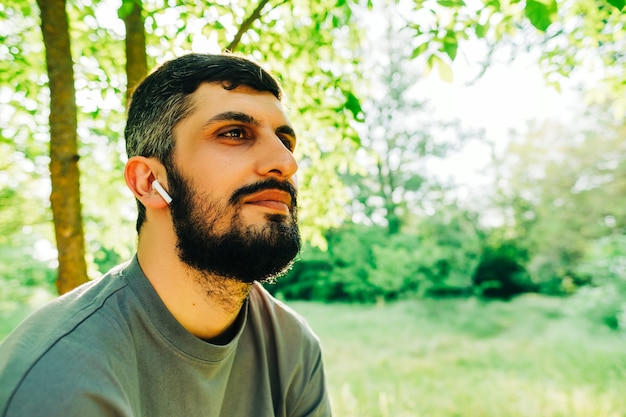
x: 139, y: 174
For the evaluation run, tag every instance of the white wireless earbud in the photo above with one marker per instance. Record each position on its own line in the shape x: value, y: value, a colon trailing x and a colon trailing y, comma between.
x: 159, y: 189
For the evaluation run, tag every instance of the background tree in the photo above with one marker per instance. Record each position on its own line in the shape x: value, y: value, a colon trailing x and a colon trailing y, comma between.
x: 319, y: 75
x: 99, y: 83
x: 135, y: 41
x: 26, y: 227
x: 564, y: 190
x: 64, y: 173
x: 569, y: 38
x: 399, y: 137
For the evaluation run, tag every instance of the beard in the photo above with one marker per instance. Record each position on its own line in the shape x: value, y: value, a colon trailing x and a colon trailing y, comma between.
x: 245, y: 253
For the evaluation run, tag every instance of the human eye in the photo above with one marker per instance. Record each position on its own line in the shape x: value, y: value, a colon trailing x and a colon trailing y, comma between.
x: 237, y: 133
x: 289, y: 144
x: 287, y: 136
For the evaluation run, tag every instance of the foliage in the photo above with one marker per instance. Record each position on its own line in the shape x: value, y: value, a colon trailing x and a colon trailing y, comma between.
x: 94, y: 87
x: 320, y: 99
x: 571, y: 37
x: 399, y: 137
x: 498, y: 275
x: 320, y: 76
x: 25, y: 273
x: 563, y: 189
x: 366, y: 263
x: 604, y: 300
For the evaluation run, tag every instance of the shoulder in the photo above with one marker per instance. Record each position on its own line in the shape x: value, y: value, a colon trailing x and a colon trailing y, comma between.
x: 265, y: 307
x: 62, y: 344
x: 64, y: 315
x: 293, y: 351
x: 281, y: 330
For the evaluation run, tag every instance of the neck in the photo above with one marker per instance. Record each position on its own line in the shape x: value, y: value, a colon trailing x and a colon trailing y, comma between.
x: 226, y: 294
x: 204, y: 304
x: 212, y: 313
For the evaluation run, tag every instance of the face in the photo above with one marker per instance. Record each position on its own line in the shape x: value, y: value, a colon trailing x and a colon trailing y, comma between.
x: 233, y: 186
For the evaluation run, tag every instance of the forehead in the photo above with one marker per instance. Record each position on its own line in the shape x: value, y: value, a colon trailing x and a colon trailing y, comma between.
x: 213, y: 98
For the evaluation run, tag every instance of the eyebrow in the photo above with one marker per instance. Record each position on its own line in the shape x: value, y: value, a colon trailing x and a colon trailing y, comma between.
x: 234, y: 116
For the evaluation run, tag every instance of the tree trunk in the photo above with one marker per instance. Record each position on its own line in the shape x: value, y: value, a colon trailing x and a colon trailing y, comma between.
x: 136, y: 60
x: 387, y: 185
x: 64, y: 175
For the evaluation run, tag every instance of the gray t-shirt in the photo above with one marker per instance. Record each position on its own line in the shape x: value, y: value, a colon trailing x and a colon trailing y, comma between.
x: 111, y: 348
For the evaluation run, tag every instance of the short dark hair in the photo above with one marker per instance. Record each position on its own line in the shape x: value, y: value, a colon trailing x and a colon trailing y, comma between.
x: 162, y: 100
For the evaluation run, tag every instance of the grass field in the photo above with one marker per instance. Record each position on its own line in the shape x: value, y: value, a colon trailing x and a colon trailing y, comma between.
x: 453, y: 358
x: 531, y: 357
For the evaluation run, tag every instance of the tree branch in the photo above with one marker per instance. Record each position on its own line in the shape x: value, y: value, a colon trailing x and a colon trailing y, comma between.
x: 247, y: 24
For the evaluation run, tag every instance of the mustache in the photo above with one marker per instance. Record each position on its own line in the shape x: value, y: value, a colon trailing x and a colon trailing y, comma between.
x: 271, y: 184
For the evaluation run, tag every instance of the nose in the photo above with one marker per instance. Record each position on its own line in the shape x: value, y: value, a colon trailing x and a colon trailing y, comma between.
x: 274, y: 158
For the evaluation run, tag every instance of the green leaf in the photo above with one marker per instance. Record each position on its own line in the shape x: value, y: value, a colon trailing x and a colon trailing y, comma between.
x: 420, y: 49
x: 451, y: 3
x: 541, y: 13
x: 556, y: 85
x: 620, y: 4
x: 450, y: 45
x: 353, y: 105
x: 428, y: 67
x: 414, y: 183
x: 126, y: 8
x: 445, y: 71
x: 481, y: 30
x: 495, y: 4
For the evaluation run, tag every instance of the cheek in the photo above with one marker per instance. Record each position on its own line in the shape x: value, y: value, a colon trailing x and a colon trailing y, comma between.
x: 214, y: 174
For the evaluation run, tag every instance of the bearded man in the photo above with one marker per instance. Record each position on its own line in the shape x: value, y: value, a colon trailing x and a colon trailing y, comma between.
x: 185, y: 327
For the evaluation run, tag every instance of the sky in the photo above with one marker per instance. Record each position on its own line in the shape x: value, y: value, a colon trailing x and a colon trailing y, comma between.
x: 505, y: 98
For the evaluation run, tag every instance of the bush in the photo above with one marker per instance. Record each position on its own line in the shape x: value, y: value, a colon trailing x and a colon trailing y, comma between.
x: 367, y: 264
x: 308, y: 279
x: 22, y: 275
x: 499, y: 275
x: 604, y: 299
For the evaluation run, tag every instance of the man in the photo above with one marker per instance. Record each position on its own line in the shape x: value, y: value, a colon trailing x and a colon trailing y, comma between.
x: 185, y: 329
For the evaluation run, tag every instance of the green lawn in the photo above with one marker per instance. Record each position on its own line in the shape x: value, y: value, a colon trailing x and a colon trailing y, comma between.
x: 532, y: 357
x: 452, y: 358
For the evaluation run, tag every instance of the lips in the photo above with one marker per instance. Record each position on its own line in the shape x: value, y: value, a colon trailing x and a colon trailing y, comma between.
x: 276, y: 200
